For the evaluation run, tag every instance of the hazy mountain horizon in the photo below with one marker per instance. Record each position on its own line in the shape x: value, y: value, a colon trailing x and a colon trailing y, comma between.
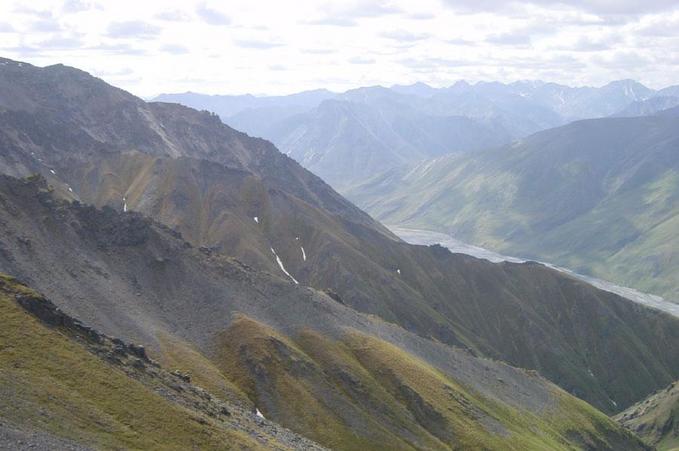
x: 406, y: 88
x: 348, y: 137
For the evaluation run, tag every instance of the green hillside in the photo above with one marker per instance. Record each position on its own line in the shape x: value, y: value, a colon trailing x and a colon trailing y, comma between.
x: 597, y: 196
x: 51, y: 381
x: 656, y: 418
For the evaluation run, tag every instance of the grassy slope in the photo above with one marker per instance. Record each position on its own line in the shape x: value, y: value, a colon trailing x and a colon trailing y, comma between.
x: 362, y: 393
x: 597, y: 196
x: 50, y: 382
x: 177, y: 354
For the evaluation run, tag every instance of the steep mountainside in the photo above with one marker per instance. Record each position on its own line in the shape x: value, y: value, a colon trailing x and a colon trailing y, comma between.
x: 656, y: 418
x: 238, y: 196
x: 597, y: 196
x: 345, y: 379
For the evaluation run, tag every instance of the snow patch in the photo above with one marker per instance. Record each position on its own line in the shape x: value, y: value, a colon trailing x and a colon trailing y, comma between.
x: 70, y: 189
x: 398, y: 271
x: 259, y: 414
x: 256, y: 219
x: 280, y: 265
x: 303, y: 253
x: 52, y: 171
x: 124, y: 204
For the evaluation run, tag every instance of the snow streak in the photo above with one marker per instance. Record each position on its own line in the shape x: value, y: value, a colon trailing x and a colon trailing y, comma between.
x: 280, y: 265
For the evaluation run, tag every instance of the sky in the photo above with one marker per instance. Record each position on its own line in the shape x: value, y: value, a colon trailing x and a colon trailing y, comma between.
x: 279, y: 47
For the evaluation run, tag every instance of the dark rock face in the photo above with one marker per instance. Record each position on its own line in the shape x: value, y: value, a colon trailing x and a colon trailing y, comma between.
x: 333, y: 295
x: 51, y: 315
x: 112, y: 229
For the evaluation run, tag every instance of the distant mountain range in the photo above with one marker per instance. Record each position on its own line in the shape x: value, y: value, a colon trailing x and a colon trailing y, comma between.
x: 598, y: 196
x: 347, y: 137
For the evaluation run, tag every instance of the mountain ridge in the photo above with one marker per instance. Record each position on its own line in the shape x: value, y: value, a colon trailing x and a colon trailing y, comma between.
x: 347, y: 137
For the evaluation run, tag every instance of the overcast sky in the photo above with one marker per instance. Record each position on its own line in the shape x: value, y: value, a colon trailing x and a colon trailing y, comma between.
x: 277, y: 47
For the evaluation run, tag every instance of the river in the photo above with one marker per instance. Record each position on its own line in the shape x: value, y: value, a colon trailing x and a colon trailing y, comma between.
x: 426, y: 237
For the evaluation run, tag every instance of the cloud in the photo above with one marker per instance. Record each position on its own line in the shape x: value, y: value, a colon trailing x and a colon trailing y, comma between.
x: 45, y: 26
x: 434, y: 63
x: 593, y: 44
x: 404, y: 36
x: 319, y: 51
x: 348, y: 13
x: 132, y: 29
x: 212, y: 16
x: 257, y: 44
x: 664, y: 28
x: 61, y: 43
x: 421, y: 16
x: 119, y: 49
x: 361, y: 60
x: 174, y: 49
x: 172, y: 16
x: 76, y: 6
x: 56, y: 43
x: 371, y: 9
x: 623, y: 60
x: 524, y: 35
x: 510, y: 38
x: 336, y: 21
x: 397, y: 40
x: 43, y: 14
x: 24, y: 50
x: 461, y: 41
x: 598, y: 7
